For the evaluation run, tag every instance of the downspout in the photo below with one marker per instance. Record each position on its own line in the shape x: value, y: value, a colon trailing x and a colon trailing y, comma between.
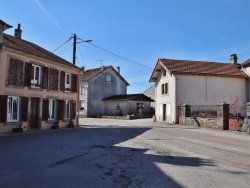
x: 78, y: 100
x: 176, y: 106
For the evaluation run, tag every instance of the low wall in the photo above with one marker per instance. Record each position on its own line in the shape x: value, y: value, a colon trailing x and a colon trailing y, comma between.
x: 203, y: 122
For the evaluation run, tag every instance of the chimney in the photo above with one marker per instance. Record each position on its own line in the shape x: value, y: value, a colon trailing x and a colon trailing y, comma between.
x: 118, y: 70
x: 233, y: 59
x: 3, y: 27
x: 18, y: 32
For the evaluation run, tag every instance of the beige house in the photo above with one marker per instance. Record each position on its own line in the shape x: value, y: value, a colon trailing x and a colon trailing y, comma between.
x: 37, y: 88
x: 179, y: 82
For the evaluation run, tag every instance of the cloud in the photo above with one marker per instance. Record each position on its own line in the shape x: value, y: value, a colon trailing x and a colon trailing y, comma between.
x: 46, y: 12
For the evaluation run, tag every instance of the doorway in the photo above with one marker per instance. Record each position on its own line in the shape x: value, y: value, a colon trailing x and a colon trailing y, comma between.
x: 34, y: 113
x: 164, y: 112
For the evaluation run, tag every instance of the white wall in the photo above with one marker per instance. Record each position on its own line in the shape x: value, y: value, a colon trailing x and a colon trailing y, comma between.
x: 168, y: 99
x: 211, y: 90
x: 99, y: 88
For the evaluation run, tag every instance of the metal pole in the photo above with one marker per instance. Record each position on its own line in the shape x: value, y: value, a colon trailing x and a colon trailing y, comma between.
x: 74, y: 50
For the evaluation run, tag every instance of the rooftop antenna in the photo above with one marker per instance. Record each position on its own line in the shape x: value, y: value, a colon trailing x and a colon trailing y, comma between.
x: 101, y: 60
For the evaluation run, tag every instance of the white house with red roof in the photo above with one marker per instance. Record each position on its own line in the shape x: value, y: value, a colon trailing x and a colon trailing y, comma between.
x: 179, y: 82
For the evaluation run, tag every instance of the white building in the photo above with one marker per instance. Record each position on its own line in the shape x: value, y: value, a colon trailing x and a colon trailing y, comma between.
x: 97, y: 84
x: 180, y: 82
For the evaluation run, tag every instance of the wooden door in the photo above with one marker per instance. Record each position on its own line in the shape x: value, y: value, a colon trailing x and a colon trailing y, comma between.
x: 34, y: 113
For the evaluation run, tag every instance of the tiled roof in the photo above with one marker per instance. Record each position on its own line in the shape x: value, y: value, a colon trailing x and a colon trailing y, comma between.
x: 203, y: 68
x: 87, y: 74
x: 32, y: 49
x: 130, y: 97
x: 246, y: 63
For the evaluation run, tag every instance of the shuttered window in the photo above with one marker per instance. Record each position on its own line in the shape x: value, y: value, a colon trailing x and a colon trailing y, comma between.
x: 73, y: 110
x: 15, y: 73
x: 24, y: 108
x: 45, y: 77
x: 45, y: 109
x: 60, y: 109
x: 62, y: 85
x: 3, y: 108
x: 53, y: 79
x: 74, y: 83
x: 28, y: 70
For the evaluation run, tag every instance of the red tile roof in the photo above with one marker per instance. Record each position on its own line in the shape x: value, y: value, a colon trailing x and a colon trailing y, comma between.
x: 32, y: 49
x: 203, y: 68
x: 246, y: 63
x: 87, y: 74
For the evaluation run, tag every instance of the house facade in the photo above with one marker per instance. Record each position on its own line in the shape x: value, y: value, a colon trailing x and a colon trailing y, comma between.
x: 37, y: 87
x: 179, y: 82
x: 97, y: 84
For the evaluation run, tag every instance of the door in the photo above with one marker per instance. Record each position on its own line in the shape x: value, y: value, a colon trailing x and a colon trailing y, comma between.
x: 164, y: 112
x: 34, y: 113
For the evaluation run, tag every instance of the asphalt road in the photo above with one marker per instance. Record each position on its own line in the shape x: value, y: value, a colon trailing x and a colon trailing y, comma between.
x: 121, y: 153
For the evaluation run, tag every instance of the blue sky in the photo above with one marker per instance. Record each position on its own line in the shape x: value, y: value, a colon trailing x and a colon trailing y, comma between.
x: 139, y: 30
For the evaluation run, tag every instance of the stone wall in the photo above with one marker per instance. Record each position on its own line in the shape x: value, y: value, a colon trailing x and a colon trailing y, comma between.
x: 203, y: 122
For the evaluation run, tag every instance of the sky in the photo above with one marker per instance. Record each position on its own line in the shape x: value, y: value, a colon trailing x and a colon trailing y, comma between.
x: 134, y: 34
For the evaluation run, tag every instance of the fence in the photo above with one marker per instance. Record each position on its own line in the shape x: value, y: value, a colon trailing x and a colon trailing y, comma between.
x: 205, y: 111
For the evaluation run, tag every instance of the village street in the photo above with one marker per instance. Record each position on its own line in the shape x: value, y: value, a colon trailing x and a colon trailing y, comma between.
x: 125, y: 153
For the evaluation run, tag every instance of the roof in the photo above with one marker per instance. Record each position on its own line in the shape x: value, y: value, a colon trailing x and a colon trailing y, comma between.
x: 5, y: 24
x: 129, y: 97
x: 246, y: 63
x: 33, y: 49
x: 201, y: 68
x: 90, y: 73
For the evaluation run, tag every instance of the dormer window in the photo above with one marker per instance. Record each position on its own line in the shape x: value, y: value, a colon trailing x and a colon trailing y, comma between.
x: 109, y: 78
x: 68, y: 81
x: 36, y: 76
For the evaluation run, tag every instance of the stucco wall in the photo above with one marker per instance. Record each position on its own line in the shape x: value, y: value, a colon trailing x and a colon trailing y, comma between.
x: 28, y: 92
x: 99, y: 88
x: 210, y: 90
x: 127, y: 107
x: 199, y: 90
x: 167, y: 99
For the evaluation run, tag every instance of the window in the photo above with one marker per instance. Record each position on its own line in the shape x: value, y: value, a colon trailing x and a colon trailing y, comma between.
x: 52, y: 109
x: 53, y: 79
x: 13, y: 109
x: 67, y: 82
x: 109, y: 78
x: 67, y: 107
x: 83, y: 90
x: 36, y: 76
x: 81, y: 104
x: 15, y: 74
x: 164, y: 89
x: 164, y: 73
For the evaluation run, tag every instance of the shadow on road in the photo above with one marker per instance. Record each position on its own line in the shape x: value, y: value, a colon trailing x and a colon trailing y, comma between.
x: 86, y: 157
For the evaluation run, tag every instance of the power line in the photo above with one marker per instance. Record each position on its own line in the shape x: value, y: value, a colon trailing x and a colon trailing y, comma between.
x: 80, y: 53
x: 119, y: 56
x: 63, y: 44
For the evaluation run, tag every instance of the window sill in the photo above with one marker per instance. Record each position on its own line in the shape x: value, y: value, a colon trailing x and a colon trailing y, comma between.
x: 13, y: 86
x: 11, y: 123
x: 35, y: 88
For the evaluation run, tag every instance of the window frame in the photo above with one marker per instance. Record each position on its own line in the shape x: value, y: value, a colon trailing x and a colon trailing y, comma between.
x: 67, y: 110
x: 39, y: 82
x: 69, y: 88
x: 51, y: 110
x: 17, y: 107
x: 108, y: 78
x: 164, y: 89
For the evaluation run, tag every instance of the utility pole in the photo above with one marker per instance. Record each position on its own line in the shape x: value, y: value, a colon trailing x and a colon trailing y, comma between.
x: 74, y: 49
